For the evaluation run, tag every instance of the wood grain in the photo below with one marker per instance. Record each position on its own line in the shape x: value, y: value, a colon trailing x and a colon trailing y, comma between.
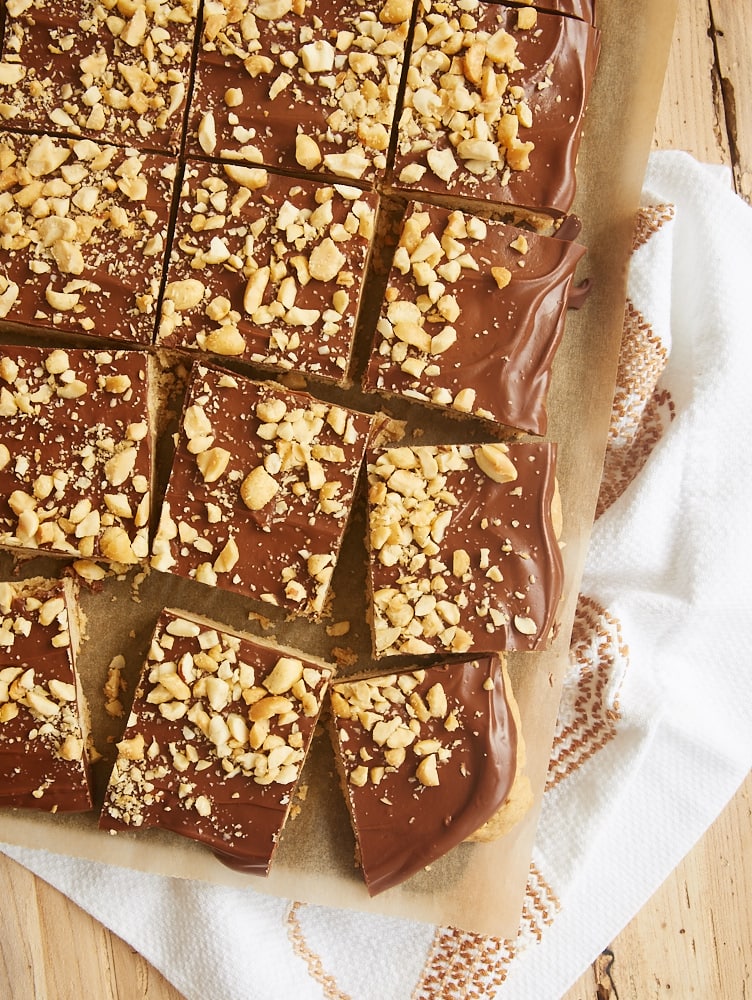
x: 691, y: 115
x: 50, y: 949
x: 731, y: 29
x: 693, y: 937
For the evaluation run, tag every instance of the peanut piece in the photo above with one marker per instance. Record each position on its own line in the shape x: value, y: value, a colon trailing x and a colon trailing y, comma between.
x: 133, y: 748
x: 307, y: 152
x: 258, y: 488
x: 186, y: 293
x: 493, y: 460
x: 287, y: 671
x: 213, y: 463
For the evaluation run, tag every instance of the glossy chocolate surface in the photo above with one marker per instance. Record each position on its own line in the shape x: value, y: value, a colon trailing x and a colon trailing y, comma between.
x: 75, y: 453
x: 456, y: 767
x: 112, y: 72
x: 267, y: 269
x: 582, y: 9
x: 43, y: 762
x: 552, y: 64
x: 461, y: 562
x: 293, y: 459
x: 216, y: 740
x: 83, y: 230
x: 282, y: 69
x: 449, y: 335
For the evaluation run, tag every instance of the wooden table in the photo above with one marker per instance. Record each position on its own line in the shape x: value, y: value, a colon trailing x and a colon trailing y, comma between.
x: 694, y: 937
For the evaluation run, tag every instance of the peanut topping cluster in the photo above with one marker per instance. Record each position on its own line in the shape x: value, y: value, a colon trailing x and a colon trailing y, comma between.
x: 281, y: 85
x: 452, y: 562
x: 426, y: 757
x: 417, y: 330
x: 407, y: 730
x: 38, y: 695
x: 266, y: 496
x: 115, y: 70
x: 211, y: 710
x: 82, y: 231
x: 266, y: 270
x: 472, y: 315
x: 462, y: 109
x: 75, y: 453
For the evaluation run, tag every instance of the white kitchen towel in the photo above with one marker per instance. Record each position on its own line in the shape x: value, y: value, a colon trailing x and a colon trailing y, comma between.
x: 655, y: 729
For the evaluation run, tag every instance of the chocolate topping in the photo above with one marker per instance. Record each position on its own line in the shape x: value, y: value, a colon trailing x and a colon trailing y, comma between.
x: 426, y: 758
x: 508, y: 128
x: 43, y: 760
x: 579, y: 294
x: 583, y: 9
x: 96, y: 68
x: 83, y: 228
x: 484, y: 341
x: 266, y: 269
x: 300, y: 85
x: 260, y: 490
x: 75, y: 453
x: 220, y: 727
x: 568, y: 228
x: 464, y: 556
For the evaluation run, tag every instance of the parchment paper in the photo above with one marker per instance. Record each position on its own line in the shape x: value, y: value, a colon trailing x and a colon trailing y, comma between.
x: 478, y: 887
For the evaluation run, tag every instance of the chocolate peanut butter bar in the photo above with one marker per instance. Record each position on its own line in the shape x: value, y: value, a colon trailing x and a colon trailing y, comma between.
x: 83, y: 230
x: 75, y: 453
x: 217, y: 737
x: 494, y: 104
x: 472, y: 317
x: 117, y: 72
x: 301, y: 86
x: 260, y: 490
x: 266, y: 269
x: 43, y: 714
x: 463, y: 546
x: 427, y: 757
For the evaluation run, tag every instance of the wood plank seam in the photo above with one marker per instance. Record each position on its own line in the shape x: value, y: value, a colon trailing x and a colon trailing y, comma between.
x: 724, y: 100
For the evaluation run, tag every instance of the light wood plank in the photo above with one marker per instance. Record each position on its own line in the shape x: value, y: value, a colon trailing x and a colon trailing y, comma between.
x: 21, y: 940
x: 698, y: 931
x: 50, y: 949
x: 690, y: 115
x: 732, y: 32
x: 72, y: 972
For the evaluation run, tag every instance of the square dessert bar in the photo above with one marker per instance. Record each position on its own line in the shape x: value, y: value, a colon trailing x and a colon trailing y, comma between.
x: 75, y: 453
x: 494, y: 104
x: 298, y: 85
x: 43, y: 714
x: 260, y: 490
x: 216, y: 740
x: 83, y: 229
x: 266, y: 269
x: 464, y: 553
x: 427, y: 758
x: 472, y: 317
x: 103, y: 69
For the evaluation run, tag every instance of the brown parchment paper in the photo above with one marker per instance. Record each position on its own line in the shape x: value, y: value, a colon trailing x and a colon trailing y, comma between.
x: 476, y: 887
